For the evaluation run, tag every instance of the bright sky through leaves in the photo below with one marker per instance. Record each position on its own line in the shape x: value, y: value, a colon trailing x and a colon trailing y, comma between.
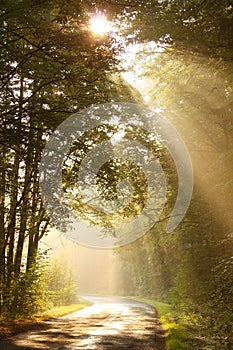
x: 100, y: 25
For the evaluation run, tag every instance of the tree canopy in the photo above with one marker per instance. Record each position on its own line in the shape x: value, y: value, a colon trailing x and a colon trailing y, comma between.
x: 52, y: 66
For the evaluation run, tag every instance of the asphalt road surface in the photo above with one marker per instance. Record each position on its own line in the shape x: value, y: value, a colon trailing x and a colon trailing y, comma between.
x: 110, y: 323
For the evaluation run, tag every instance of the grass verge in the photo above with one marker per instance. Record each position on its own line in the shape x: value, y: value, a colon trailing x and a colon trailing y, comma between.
x: 9, y: 328
x: 178, y: 328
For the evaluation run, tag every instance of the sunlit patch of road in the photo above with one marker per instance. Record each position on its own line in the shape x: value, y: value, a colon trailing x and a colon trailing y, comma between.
x: 110, y: 323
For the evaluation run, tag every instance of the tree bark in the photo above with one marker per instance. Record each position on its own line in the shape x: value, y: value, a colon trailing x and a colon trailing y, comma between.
x: 2, y: 221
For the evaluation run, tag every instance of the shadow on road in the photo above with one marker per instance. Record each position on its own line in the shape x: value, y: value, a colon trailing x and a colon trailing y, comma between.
x: 107, y: 342
x: 107, y: 324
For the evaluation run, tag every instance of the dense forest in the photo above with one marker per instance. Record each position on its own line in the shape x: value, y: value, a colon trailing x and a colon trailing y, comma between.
x: 53, y: 66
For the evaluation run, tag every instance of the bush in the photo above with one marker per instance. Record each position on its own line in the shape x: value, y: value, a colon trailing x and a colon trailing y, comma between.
x: 61, y: 283
x: 41, y: 288
x: 29, y: 295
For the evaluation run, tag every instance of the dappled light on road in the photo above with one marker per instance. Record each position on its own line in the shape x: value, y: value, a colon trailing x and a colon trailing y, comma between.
x: 110, y: 323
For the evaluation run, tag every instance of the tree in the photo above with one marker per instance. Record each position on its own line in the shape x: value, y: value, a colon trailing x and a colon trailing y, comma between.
x: 52, y: 66
x: 189, y: 78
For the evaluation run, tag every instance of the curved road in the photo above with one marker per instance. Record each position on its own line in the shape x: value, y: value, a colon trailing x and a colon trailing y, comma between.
x: 110, y: 323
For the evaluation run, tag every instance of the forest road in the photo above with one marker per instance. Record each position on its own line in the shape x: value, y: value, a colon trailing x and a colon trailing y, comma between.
x: 110, y: 323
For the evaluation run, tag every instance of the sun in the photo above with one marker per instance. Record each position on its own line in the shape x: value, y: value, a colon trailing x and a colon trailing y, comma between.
x: 100, y: 25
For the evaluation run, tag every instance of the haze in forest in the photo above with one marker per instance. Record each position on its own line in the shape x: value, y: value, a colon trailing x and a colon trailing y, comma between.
x: 97, y: 271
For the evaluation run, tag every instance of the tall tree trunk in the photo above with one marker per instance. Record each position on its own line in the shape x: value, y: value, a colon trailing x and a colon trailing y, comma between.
x: 24, y: 212
x: 12, y: 219
x: 38, y: 213
x: 2, y: 220
x: 31, y: 253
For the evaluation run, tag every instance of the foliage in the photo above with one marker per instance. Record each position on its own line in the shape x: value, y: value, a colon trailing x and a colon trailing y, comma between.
x: 51, y: 66
x: 27, y: 295
x: 190, y: 80
x: 48, y: 284
x: 61, y: 284
x: 110, y: 174
x: 174, y: 324
x: 190, y: 26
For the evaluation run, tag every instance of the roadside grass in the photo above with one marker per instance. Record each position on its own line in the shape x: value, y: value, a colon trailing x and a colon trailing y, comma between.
x: 9, y: 328
x: 179, y: 329
x: 65, y: 310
